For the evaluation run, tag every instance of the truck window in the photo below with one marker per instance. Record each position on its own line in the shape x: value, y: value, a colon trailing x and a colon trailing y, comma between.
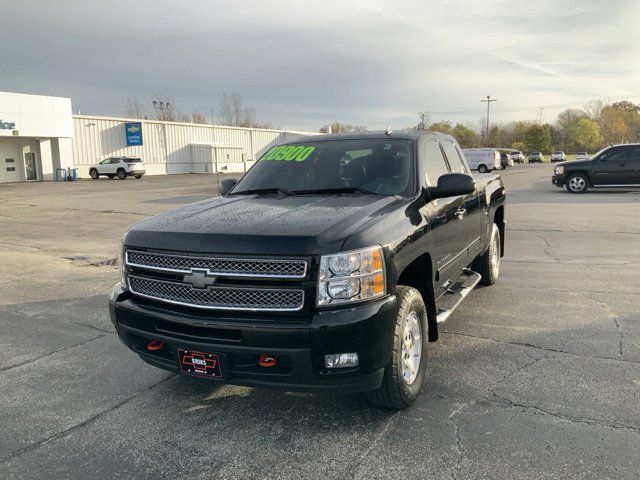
x: 435, y: 163
x: 382, y: 166
x: 454, y: 158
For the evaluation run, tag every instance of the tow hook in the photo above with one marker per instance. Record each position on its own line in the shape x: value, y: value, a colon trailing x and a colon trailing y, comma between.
x: 155, y: 345
x: 268, y: 360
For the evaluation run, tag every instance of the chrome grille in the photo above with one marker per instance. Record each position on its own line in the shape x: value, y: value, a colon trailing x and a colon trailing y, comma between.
x: 218, y: 298
x: 231, y: 267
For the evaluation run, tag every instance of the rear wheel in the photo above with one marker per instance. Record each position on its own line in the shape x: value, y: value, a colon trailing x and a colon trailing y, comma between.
x: 577, y: 183
x: 405, y: 373
x: 93, y: 173
x: 483, y: 168
x: 138, y: 176
x: 488, y: 264
x: 122, y: 174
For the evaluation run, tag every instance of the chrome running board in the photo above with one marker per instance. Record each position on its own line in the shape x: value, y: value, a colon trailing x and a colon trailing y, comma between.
x: 456, y: 293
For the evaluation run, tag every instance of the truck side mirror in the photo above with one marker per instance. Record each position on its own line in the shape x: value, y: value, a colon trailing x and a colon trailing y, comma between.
x: 451, y: 185
x: 227, y: 185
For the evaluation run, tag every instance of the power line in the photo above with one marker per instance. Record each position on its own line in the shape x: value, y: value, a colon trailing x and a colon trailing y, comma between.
x: 532, y: 108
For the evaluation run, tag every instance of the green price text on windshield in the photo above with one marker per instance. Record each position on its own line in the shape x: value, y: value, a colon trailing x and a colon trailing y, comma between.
x: 298, y: 153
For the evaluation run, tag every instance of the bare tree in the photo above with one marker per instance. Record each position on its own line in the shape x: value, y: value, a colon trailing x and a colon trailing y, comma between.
x: 233, y: 111
x: 134, y: 109
x: 199, y: 118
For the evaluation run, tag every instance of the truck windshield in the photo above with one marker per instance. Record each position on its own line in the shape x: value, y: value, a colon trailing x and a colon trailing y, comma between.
x: 378, y: 166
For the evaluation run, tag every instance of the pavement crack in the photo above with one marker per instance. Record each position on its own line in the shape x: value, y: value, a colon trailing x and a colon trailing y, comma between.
x: 613, y: 316
x: 379, y: 436
x: 9, y: 367
x: 501, y: 400
x: 545, y: 349
x: 547, y: 249
x: 456, y: 430
x: 68, y: 431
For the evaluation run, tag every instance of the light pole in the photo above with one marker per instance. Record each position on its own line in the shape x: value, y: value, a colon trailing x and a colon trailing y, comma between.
x: 488, y: 100
x: 162, y: 107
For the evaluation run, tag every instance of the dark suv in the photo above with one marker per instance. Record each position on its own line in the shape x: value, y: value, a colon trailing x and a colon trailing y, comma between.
x: 615, y: 166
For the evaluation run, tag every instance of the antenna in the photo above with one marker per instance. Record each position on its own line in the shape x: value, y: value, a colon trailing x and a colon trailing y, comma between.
x: 388, y: 131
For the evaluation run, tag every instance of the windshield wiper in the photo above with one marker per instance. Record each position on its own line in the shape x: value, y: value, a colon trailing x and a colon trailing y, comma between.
x: 338, y: 190
x: 265, y: 190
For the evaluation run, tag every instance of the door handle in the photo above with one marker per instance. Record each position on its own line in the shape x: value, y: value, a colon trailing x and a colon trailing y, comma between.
x: 460, y: 213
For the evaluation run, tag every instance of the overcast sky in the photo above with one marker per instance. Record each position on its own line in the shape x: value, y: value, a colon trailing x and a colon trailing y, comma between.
x: 304, y: 64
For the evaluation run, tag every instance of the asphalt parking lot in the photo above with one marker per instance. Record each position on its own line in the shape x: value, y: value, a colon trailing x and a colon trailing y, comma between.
x: 536, y: 377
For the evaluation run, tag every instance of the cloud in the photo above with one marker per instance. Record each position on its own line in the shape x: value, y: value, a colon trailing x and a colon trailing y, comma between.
x: 304, y: 64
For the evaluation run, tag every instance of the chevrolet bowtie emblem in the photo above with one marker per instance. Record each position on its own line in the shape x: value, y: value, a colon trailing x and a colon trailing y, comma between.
x: 199, y: 279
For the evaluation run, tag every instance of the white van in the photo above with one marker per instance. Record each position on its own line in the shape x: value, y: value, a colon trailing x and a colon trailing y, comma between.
x: 482, y: 159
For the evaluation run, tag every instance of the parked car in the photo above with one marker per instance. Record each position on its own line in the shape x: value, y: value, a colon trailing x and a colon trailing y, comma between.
x: 536, y: 157
x: 121, y: 167
x: 327, y: 267
x: 517, y: 156
x: 582, y: 156
x: 483, y: 159
x: 505, y: 160
x: 558, y: 156
x: 615, y: 166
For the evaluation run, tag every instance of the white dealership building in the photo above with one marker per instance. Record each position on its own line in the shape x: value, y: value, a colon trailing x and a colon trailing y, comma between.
x: 40, y: 136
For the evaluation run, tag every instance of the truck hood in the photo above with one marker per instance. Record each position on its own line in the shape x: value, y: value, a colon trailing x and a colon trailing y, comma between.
x: 260, y: 224
x: 574, y: 163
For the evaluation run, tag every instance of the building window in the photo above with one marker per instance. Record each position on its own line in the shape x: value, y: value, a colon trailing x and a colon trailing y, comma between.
x: 11, y: 169
x: 8, y: 160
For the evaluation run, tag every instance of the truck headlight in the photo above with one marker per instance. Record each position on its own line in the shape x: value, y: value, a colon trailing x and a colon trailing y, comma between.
x: 351, y: 276
x: 559, y: 170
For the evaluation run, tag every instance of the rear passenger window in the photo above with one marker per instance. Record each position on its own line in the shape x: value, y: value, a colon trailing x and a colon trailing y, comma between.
x: 455, y: 161
x: 436, y: 165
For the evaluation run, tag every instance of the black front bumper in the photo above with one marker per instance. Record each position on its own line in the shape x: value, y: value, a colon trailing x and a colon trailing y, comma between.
x: 300, y: 343
x: 558, y: 180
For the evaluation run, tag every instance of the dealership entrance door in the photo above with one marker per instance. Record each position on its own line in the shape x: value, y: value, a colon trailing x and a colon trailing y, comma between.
x: 30, y: 166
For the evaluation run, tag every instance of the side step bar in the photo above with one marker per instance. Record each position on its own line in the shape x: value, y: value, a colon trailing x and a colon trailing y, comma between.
x: 456, y: 292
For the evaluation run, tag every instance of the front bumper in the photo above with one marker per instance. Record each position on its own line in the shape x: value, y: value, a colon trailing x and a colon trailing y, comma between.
x: 301, y: 344
x: 558, y: 180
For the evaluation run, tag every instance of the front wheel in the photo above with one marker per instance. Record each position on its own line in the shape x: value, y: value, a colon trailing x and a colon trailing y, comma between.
x: 483, y: 169
x: 488, y: 264
x: 93, y: 173
x: 404, y: 375
x: 577, y: 183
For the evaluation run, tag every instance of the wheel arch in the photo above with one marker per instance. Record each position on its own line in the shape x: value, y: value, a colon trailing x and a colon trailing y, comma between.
x: 419, y: 275
x: 582, y: 172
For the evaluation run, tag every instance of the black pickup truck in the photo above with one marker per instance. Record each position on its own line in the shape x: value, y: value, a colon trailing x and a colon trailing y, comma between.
x: 327, y: 267
x: 614, y: 166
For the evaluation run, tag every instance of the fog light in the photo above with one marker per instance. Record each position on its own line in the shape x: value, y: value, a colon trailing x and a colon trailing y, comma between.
x: 341, y: 360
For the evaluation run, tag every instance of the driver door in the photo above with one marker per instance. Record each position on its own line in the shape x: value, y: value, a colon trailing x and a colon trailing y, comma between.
x: 447, y: 227
x: 613, y: 167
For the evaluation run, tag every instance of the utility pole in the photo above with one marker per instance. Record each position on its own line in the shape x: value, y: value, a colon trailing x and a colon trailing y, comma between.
x: 488, y: 100
x: 162, y: 107
x: 424, y: 120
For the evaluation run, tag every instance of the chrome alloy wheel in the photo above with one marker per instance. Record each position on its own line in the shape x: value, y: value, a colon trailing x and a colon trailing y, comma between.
x: 577, y: 184
x: 494, y: 254
x: 411, y: 348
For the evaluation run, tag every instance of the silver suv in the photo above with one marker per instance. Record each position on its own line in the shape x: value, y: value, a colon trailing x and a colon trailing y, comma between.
x: 536, y: 157
x: 558, y: 156
x: 121, y: 167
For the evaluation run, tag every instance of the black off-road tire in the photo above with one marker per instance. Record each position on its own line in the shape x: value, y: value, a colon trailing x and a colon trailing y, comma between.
x: 488, y: 264
x: 93, y: 173
x: 122, y: 174
x: 395, y: 393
